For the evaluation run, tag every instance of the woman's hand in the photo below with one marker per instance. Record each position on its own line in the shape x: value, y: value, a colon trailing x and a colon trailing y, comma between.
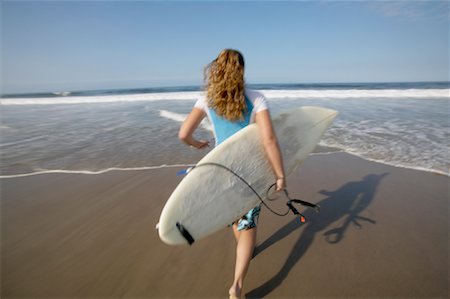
x: 188, y: 127
x: 200, y: 144
x: 281, y: 184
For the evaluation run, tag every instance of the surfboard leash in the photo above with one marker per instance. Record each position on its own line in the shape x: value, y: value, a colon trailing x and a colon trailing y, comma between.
x: 290, y: 202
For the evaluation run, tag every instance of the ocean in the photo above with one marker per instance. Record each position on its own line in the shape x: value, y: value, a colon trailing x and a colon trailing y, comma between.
x: 400, y: 124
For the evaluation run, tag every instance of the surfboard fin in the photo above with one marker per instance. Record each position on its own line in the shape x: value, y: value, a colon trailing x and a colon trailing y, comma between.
x: 184, y: 232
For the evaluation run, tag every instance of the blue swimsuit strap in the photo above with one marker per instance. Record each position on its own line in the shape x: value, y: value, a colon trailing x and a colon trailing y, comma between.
x: 224, y: 128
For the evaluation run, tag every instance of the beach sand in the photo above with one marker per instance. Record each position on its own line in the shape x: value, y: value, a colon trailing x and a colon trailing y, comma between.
x: 382, y: 232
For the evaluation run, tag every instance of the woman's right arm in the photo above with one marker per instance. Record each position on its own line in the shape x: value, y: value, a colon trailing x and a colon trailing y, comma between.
x: 271, y: 146
x: 188, y: 127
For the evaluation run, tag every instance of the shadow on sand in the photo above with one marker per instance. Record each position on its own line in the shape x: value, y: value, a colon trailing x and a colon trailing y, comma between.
x: 346, y: 203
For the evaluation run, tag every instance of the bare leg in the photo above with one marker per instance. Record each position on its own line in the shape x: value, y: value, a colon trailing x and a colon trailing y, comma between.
x: 236, y: 232
x: 246, y: 240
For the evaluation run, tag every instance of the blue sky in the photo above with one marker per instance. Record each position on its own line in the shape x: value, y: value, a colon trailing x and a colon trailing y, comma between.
x: 79, y: 45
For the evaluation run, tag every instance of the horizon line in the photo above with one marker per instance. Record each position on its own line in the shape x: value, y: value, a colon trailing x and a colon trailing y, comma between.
x: 200, y: 86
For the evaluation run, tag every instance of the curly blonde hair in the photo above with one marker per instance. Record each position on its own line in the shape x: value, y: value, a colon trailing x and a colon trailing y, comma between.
x: 225, y: 85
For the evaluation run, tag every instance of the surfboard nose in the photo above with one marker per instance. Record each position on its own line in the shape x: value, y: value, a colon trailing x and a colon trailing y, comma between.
x: 324, y: 117
x: 320, y: 112
x: 332, y: 114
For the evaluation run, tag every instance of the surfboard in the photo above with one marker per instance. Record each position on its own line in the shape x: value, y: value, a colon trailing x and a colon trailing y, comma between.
x: 209, y: 198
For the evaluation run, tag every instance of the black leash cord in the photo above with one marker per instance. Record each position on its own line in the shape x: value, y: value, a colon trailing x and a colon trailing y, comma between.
x: 289, y: 202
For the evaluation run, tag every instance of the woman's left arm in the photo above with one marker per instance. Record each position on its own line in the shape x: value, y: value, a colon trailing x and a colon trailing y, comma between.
x: 188, y: 127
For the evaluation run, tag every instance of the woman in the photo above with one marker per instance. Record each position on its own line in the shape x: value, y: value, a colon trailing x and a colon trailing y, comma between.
x: 230, y: 107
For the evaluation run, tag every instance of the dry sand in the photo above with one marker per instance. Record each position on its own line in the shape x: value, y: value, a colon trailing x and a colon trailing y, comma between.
x: 383, y: 232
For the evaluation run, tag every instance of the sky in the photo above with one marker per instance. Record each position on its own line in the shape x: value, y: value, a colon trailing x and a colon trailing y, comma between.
x: 86, y: 45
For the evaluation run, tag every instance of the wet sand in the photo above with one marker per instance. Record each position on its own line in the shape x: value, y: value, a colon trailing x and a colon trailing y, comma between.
x: 383, y: 232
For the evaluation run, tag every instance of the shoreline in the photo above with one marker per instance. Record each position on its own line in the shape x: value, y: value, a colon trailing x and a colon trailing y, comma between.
x: 382, y: 232
x: 322, y: 150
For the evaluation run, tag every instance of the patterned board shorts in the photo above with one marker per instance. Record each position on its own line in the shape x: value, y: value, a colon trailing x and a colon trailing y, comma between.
x: 249, y: 220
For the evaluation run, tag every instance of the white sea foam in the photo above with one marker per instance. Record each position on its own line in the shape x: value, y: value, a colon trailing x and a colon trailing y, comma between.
x: 172, y: 115
x: 21, y: 141
x: 92, y: 172
x: 178, y: 117
x: 62, y: 93
x: 393, y: 164
x: 358, y: 93
x: 189, y: 95
x: 271, y: 94
x: 398, y: 143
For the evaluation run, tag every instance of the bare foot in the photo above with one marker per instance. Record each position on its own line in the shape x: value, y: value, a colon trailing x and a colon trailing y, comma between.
x: 235, y: 292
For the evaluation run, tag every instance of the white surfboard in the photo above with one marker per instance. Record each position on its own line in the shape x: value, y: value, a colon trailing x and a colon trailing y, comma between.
x: 209, y: 198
